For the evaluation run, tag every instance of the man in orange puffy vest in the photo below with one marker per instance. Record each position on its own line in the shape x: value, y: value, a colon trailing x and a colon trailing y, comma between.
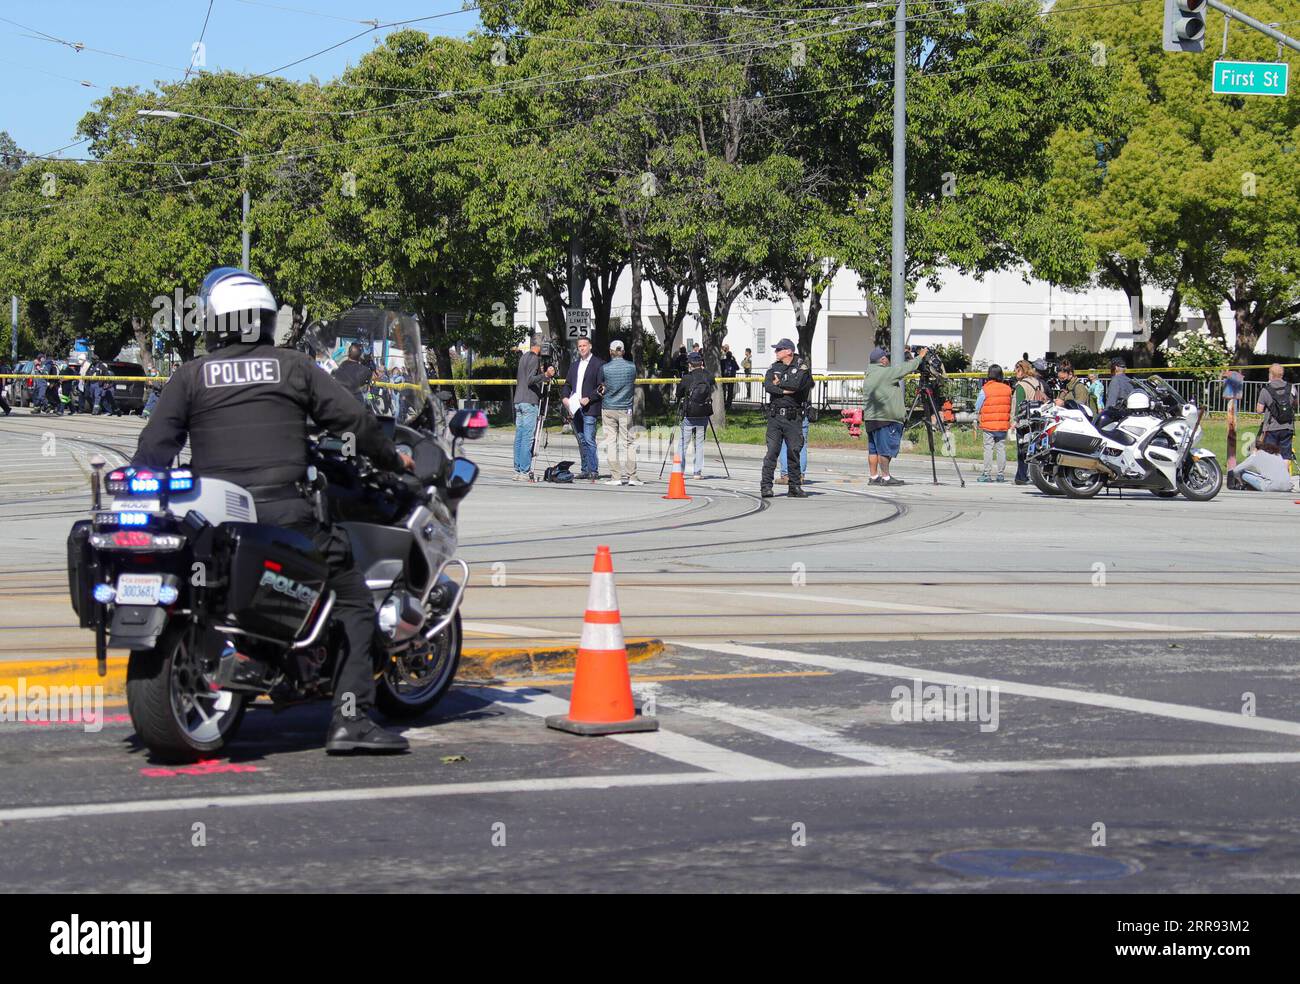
x: 994, y: 411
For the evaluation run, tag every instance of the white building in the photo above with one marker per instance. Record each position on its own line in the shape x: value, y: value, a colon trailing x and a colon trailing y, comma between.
x: 995, y: 319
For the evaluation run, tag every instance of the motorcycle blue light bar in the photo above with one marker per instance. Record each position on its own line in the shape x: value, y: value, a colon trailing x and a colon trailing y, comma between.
x: 133, y: 519
x: 180, y: 483
x: 104, y: 593
x: 139, y: 484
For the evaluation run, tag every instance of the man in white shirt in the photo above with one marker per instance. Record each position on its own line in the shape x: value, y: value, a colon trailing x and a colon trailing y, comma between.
x: 582, y: 396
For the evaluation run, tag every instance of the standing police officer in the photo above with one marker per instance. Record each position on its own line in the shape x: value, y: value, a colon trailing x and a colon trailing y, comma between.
x: 788, y: 382
x: 244, y: 408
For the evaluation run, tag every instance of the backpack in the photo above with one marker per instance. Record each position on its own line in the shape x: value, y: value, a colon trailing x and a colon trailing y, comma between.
x: 559, y: 473
x: 1281, y: 409
x: 699, y: 399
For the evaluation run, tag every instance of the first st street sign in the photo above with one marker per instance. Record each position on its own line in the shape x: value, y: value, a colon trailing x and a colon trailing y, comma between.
x: 1251, y: 78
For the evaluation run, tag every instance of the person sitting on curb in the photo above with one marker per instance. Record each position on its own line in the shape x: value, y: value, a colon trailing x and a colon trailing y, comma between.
x: 993, y: 408
x: 1264, y: 471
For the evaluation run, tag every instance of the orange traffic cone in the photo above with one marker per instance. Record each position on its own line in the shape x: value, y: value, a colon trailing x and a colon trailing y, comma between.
x: 677, y: 481
x: 602, y: 690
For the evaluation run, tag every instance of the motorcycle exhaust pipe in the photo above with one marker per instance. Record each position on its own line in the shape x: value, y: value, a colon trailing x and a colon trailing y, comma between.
x: 1080, y: 461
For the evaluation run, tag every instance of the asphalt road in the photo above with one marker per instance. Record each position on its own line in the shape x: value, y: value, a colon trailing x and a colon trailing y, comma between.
x: 1155, y: 695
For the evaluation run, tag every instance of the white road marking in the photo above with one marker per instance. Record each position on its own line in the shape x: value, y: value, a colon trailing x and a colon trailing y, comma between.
x: 801, y: 597
x: 803, y: 734
x: 571, y: 783
x: 670, y: 745
x: 522, y: 631
x: 1182, y: 712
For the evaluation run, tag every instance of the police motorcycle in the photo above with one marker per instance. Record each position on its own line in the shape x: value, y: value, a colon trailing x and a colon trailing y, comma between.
x: 1033, y: 418
x: 217, y: 609
x: 1150, y: 443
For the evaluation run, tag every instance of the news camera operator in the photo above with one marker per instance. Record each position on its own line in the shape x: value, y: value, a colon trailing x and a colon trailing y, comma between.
x: 883, y: 411
x: 353, y: 374
x: 535, y: 373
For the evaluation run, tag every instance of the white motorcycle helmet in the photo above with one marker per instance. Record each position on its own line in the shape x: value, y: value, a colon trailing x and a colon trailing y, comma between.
x: 1138, y: 401
x: 234, y: 306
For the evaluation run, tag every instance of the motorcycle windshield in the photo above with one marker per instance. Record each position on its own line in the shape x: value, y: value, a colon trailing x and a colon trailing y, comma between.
x: 1161, y: 391
x: 390, y: 339
x: 404, y: 358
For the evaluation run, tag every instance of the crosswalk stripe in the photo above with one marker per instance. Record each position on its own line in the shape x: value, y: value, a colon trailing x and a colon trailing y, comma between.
x: 800, y: 733
x: 1182, y: 712
x: 668, y: 744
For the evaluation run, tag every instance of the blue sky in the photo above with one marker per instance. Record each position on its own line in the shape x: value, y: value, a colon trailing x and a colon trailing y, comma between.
x: 141, y: 41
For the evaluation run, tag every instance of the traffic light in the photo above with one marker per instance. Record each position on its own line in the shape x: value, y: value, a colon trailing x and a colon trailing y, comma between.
x: 1184, y: 25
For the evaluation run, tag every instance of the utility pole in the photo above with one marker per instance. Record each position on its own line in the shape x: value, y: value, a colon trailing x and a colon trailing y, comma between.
x: 13, y: 327
x: 244, y: 235
x: 897, y: 284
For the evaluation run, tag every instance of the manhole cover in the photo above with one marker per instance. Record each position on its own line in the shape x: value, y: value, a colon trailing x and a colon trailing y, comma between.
x: 1026, y: 865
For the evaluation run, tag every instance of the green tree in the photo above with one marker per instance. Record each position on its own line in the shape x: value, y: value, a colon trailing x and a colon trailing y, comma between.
x: 1176, y: 188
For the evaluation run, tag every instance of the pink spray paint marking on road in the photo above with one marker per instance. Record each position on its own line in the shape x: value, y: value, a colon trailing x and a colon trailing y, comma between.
x: 80, y: 720
x: 204, y: 767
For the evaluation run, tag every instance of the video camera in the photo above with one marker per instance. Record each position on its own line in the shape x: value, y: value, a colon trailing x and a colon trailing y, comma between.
x: 1048, y: 366
x: 546, y: 357
x: 931, y: 367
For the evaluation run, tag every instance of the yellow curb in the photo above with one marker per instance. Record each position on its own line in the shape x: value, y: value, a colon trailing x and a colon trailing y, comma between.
x: 562, y: 680
x: 481, y: 662
x: 476, y: 663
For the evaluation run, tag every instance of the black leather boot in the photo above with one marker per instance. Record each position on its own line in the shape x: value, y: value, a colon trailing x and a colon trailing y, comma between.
x: 362, y: 735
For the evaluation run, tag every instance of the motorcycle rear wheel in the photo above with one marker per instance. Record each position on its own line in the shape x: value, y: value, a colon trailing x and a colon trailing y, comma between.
x: 1077, y: 483
x: 1044, y: 482
x: 416, y: 681
x: 175, y: 713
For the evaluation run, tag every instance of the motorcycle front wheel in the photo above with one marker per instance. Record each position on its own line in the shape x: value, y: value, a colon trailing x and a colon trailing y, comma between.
x: 1044, y: 482
x: 417, y: 679
x: 1202, y: 480
x: 1079, y: 483
x: 177, y: 715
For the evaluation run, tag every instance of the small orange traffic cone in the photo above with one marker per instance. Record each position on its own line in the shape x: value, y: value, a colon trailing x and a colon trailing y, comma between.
x: 677, y: 481
x: 602, y: 690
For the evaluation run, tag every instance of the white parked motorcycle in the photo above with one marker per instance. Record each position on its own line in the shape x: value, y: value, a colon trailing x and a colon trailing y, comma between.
x: 1034, y: 424
x: 1148, y: 444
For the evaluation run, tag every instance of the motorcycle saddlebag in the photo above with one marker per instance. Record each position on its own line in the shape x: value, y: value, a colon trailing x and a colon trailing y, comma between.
x: 276, y: 579
x: 79, y: 586
x: 1077, y: 443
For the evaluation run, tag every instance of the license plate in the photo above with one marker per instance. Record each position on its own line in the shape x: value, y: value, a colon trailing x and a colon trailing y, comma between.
x: 138, y: 589
x: 120, y: 386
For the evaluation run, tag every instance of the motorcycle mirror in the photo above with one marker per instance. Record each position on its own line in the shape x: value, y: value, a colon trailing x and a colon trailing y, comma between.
x: 468, y: 425
x: 463, y: 474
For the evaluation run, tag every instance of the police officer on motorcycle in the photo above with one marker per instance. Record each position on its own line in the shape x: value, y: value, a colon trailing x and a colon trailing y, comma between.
x: 788, y: 383
x: 244, y: 407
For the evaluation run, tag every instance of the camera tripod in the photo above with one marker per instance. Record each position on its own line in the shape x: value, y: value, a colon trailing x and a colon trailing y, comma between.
x: 925, y: 390
x: 539, y: 432
x: 716, y: 444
